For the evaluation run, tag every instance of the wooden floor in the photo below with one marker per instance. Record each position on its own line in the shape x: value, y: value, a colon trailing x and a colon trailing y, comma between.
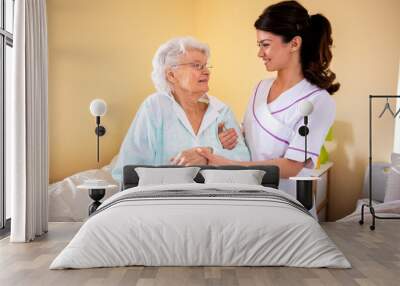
x: 374, y: 255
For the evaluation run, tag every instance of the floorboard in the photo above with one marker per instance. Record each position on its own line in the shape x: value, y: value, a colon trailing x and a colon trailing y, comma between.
x: 374, y: 255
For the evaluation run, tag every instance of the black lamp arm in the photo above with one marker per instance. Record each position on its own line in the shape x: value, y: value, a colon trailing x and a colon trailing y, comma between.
x: 100, y: 131
x: 303, y: 131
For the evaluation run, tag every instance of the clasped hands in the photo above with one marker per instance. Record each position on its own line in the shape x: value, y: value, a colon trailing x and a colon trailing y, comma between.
x: 193, y: 156
x: 204, y: 155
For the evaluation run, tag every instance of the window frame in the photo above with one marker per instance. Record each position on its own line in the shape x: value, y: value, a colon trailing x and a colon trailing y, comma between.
x: 6, y: 39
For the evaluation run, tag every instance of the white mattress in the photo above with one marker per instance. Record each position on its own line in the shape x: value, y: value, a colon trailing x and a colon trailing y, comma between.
x: 200, y: 231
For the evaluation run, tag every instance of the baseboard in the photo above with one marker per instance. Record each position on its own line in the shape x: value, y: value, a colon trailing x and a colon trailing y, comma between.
x: 5, y: 231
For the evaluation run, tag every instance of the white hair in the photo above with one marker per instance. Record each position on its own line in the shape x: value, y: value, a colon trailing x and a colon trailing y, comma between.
x: 167, y: 55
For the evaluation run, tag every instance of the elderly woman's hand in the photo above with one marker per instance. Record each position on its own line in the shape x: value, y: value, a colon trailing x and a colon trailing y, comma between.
x: 228, y: 138
x: 190, y: 157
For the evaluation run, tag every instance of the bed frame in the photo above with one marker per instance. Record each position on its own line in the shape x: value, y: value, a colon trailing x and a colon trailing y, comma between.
x: 270, y: 179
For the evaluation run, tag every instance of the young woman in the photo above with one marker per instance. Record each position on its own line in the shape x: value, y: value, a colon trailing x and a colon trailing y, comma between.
x: 297, y: 47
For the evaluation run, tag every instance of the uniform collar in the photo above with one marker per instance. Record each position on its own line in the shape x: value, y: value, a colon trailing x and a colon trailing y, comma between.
x: 290, y: 97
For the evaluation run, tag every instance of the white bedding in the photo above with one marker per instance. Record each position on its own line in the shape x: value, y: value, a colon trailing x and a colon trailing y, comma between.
x: 183, y: 231
x: 68, y: 203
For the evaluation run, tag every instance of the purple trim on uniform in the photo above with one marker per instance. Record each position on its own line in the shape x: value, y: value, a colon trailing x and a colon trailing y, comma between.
x: 304, y: 97
x: 259, y: 123
x: 300, y: 150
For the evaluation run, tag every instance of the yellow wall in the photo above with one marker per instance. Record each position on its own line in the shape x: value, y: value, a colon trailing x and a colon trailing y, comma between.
x: 103, y: 49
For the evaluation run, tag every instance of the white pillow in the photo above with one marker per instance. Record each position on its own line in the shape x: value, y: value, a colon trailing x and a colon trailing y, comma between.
x: 393, y: 183
x: 166, y: 176
x: 248, y: 177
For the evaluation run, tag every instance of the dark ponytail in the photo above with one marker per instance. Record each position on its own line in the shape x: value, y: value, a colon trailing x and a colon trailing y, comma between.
x: 289, y: 19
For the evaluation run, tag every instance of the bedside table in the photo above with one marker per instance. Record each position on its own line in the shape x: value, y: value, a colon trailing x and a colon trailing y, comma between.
x: 314, y: 187
x: 97, y: 190
x: 305, y: 190
x: 321, y: 190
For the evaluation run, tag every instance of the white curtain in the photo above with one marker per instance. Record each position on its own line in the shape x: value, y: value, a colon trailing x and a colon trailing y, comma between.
x: 28, y: 155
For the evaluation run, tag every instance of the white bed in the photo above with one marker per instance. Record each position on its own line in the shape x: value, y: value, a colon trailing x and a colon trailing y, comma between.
x: 67, y: 203
x: 189, y: 230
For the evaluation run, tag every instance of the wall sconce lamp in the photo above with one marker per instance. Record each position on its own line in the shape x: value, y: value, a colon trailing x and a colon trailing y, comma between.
x: 304, y: 193
x: 98, y: 108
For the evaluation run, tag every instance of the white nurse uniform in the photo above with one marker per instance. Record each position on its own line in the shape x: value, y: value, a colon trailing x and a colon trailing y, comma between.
x: 271, y: 130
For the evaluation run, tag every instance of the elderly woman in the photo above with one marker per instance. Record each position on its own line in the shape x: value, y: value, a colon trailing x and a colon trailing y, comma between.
x: 180, y: 118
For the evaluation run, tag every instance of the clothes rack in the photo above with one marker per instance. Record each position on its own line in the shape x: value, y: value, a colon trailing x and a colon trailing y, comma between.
x: 369, y: 204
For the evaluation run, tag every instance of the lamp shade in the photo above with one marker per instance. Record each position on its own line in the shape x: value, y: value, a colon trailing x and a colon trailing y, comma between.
x: 306, y: 108
x: 98, y: 107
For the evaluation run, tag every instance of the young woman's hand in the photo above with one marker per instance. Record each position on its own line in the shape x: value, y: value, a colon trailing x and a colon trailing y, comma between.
x: 228, y: 138
x: 213, y: 159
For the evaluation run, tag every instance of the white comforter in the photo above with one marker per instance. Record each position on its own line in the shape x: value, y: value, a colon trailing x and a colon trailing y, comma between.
x: 200, y: 231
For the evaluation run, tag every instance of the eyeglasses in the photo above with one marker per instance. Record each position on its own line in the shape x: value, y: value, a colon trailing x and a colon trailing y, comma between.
x: 196, y: 66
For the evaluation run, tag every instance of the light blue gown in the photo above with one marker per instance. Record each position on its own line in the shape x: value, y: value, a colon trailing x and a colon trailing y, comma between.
x: 160, y: 130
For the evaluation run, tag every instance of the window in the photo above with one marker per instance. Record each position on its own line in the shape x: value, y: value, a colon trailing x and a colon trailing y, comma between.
x: 6, y: 60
